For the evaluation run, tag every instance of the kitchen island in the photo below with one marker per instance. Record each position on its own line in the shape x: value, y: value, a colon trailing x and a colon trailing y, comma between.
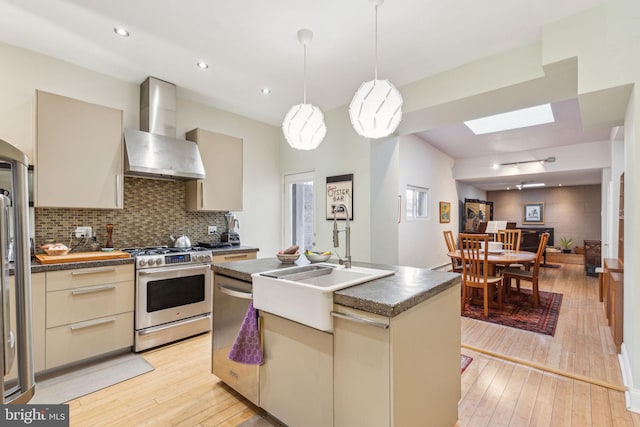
x: 392, y: 358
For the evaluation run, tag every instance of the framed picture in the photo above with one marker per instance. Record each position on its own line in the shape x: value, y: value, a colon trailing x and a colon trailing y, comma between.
x: 533, y: 213
x: 340, y: 190
x: 445, y: 212
x: 475, y: 213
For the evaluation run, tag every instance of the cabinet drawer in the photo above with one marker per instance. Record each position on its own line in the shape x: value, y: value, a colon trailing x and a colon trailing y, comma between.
x: 70, y: 343
x: 83, y: 277
x: 89, y: 302
x: 234, y: 257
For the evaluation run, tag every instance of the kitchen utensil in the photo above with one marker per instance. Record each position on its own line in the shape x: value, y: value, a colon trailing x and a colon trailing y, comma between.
x: 181, y: 241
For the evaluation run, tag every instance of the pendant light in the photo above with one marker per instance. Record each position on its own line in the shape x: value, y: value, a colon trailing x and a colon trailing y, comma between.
x: 376, y: 108
x: 303, y: 125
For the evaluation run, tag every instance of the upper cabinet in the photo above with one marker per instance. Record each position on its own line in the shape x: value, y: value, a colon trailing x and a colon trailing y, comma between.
x: 79, y: 154
x: 221, y: 190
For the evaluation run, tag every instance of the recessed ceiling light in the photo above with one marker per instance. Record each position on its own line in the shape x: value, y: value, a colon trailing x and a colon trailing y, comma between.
x: 265, y: 90
x: 526, y: 117
x: 121, y: 32
x: 202, y: 65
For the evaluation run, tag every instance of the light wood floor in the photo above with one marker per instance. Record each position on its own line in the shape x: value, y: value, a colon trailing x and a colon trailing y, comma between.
x: 181, y: 391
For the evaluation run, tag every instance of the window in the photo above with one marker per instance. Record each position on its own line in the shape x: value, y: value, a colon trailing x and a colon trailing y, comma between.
x: 417, y: 202
x: 299, y: 210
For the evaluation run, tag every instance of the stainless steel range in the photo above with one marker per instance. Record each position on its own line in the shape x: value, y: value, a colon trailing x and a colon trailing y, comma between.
x: 173, y: 294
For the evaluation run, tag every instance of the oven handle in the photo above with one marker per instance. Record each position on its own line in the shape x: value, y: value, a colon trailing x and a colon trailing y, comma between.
x: 173, y: 324
x: 234, y: 292
x: 164, y: 270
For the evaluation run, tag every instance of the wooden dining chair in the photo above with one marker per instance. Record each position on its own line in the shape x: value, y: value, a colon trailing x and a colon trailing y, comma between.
x: 475, y: 268
x: 510, y: 240
x: 528, y: 275
x: 456, y: 264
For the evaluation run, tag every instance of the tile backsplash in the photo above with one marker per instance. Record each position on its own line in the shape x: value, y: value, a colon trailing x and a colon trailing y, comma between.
x: 153, y: 209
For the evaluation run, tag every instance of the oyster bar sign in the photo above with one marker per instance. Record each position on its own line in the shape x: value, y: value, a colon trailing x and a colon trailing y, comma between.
x: 339, y: 190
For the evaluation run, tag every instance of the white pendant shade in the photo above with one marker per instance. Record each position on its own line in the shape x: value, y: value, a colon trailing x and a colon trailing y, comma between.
x: 376, y: 109
x: 304, y: 127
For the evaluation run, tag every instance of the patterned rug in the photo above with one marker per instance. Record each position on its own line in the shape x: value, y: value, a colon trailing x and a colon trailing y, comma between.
x: 464, y: 362
x: 519, y: 313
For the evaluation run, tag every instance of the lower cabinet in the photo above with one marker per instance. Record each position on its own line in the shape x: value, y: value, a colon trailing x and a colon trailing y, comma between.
x: 89, y: 312
x: 399, y: 371
x: 296, y: 379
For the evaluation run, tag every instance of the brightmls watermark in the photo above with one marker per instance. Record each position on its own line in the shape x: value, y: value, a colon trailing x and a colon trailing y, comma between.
x: 35, y: 415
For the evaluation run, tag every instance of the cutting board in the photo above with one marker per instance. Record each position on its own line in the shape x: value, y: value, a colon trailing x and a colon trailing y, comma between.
x: 81, y: 256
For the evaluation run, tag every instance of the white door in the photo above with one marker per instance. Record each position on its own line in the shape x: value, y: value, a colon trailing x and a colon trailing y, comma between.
x: 299, y: 208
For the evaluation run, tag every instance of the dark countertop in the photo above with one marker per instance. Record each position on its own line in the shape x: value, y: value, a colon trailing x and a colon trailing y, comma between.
x: 36, y: 267
x: 388, y: 296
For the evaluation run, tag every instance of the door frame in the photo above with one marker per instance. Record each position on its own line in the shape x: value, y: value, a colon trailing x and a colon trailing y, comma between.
x: 287, y: 180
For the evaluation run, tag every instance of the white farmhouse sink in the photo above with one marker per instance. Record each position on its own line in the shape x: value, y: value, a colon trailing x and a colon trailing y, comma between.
x: 305, y: 293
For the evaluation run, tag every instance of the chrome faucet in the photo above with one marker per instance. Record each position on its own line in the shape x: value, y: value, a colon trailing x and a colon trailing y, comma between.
x: 341, y: 207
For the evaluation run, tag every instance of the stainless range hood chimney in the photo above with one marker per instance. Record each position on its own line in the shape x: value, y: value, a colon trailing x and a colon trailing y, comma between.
x: 154, y: 151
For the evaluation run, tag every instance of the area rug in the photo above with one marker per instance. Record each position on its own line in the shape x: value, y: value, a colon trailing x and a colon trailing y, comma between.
x: 63, y: 386
x: 464, y: 362
x: 518, y: 312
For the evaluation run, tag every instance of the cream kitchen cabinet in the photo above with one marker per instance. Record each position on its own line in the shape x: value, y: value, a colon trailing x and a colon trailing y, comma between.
x: 396, y: 371
x: 221, y: 190
x: 296, y: 379
x: 236, y: 256
x: 38, y: 292
x: 89, y: 312
x: 79, y: 154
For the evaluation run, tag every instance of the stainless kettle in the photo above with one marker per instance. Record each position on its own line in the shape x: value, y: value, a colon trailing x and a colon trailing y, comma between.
x: 182, y: 241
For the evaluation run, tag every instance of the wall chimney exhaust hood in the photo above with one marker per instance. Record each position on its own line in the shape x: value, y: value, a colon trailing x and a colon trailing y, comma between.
x: 154, y: 151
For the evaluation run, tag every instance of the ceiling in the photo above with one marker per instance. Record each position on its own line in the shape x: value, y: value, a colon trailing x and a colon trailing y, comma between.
x: 252, y: 44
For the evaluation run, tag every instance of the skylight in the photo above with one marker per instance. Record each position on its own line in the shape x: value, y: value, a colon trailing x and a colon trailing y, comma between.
x: 517, y: 119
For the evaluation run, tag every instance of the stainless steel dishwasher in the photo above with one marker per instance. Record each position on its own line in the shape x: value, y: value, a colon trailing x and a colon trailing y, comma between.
x: 231, y: 299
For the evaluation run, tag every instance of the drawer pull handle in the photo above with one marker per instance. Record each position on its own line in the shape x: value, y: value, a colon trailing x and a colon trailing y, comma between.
x: 235, y: 256
x: 160, y: 328
x: 93, y: 271
x: 92, y: 323
x: 92, y: 289
x: 360, y: 320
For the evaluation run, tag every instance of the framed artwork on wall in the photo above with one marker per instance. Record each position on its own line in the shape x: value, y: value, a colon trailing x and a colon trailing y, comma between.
x: 445, y: 212
x: 476, y: 212
x: 340, y: 190
x: 533, y: 213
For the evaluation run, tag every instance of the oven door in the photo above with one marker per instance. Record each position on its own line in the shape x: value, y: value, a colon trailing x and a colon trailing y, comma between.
x: 173, y: 293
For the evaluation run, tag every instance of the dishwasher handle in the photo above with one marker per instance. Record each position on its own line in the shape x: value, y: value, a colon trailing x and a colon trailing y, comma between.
x: 234, y: 292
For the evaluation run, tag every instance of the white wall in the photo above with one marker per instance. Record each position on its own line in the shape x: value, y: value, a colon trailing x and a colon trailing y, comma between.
x: 421, y: 241
x: 341, y: 152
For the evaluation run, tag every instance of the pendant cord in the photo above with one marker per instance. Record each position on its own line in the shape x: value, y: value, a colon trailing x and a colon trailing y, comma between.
x: 304, y: 79
x: 375, y: 73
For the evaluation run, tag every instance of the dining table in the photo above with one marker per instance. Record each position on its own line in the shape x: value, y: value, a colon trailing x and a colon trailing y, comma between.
x: 502, y: 257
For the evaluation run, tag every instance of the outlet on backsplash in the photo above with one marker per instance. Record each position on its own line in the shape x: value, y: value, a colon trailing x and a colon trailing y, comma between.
x: 212, y: 229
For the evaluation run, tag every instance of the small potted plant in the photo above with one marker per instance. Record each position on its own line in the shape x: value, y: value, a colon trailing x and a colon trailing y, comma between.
x: 566, y: 243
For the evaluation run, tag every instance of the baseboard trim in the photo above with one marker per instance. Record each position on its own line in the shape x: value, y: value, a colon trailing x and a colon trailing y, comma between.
x: 631, y: 394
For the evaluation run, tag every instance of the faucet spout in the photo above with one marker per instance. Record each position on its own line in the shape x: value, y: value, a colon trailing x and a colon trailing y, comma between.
x: 341, y: 207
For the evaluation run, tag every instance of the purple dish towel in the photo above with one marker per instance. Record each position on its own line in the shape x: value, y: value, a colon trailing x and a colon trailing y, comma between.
x: 246, y: 348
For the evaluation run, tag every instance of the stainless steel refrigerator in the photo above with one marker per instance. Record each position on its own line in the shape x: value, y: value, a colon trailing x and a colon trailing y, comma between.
x: 16, y: 346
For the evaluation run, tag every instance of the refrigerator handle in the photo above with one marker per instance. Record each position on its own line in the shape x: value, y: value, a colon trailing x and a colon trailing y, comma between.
x: 9, y: 349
